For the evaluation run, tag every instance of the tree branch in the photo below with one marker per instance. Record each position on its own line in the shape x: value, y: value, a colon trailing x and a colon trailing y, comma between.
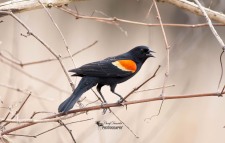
x: 192, y: 7
x: 92, y: 108
x: 27, y: 5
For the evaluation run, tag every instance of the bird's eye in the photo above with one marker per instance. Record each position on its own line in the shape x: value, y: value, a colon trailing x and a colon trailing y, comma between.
x: 143, y: 50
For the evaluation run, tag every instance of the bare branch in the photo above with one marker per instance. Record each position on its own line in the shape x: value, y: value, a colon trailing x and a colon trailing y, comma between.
x: 113, y: 20
x: 18, y: 6
x: 60, y: 32
x: 192, y: 7
x: 69, y: 131
x: 21, y: 106
x: 92, y: 108
x: 44, y: 132
x: 15, y: 89
x: 36, y: 120
x: 54, y: 59
x: 219, y: 39
x: 43, y: 43
x: 143, y: 83
x: 35, y: 78
x: 154, y: 88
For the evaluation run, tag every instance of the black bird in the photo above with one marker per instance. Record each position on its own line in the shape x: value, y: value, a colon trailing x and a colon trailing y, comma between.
x: 110, y: 71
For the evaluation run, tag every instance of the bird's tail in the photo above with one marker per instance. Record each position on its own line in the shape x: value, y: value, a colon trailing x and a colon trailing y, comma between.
x: 85, y: 84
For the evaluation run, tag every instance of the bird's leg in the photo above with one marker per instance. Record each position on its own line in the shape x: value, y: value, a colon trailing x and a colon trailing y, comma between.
x: 99, y: 86
x: 112, y: 87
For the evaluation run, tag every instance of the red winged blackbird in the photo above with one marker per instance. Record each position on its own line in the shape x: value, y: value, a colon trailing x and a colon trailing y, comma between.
x: 110, y: 71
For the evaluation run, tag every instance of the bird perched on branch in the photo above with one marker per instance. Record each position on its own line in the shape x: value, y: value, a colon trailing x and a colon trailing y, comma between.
x: 110, y: 71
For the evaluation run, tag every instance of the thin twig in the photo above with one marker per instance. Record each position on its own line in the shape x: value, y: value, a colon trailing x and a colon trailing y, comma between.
x: 13, y: 59
x: 61, y: 125
x: 40, y: 112
x: 143, y: 83
x: 69, y: 131
x: 35, y: 78
x: 60, y: 32
x: 154, y: 88
x: 36, y: 120
x: 219, y: 39
x: 5, y: 119
x: 221, y: 66
x: 124, y: 124
x: 110, y: 110
x: 17, y: 112
x: 14, y: 88
x: 167, y: 57
x: 50, y: 59
x: 39, y: 134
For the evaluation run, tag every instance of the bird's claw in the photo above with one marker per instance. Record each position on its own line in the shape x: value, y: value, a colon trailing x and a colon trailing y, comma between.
x: 104, y: 109
x: 103, y: 103
x: 120, y: 102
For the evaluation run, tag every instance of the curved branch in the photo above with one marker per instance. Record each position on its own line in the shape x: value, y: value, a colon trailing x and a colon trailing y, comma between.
x: 192, y: 7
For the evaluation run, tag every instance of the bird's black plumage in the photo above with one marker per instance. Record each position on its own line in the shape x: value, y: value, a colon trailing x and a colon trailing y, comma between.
x: 110, y: 71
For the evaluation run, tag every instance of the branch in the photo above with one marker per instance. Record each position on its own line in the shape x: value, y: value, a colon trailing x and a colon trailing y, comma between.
x: 29, y: 32
x: 35, y: 121
x: 191, y: 7
x: 18, y: 6
x: 219, y: 39
x: 217, y: 36
x: 17, y: 112
x: 51, y: 129
x: 115, y: 20
x: 92, y: 108
x: 135, y: 89
x: 33, y: 77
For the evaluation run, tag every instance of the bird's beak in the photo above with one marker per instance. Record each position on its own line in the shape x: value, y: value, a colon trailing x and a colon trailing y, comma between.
x: 149, y: 54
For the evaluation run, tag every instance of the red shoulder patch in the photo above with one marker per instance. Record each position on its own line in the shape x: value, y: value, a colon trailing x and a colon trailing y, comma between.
x: 126, y: 65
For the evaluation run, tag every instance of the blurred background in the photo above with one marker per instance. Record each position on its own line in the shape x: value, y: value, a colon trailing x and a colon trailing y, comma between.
x: 194, y: 68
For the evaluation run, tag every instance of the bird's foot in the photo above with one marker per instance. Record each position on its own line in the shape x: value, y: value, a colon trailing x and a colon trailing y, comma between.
x: 120, y: 102
x: 104, y: 109
x: 220, y: 94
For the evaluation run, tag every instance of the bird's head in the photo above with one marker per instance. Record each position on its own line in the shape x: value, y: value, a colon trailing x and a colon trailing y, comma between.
x: 141, y: 53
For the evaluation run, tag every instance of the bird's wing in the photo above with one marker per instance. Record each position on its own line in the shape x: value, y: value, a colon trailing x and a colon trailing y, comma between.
x: 110, y: 67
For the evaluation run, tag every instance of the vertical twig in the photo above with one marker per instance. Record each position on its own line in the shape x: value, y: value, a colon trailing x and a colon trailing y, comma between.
x: 168, y: 57
x: 219, y: 39
x: 60, y: 32
x: 147, y: 15
x: 64, y: 40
